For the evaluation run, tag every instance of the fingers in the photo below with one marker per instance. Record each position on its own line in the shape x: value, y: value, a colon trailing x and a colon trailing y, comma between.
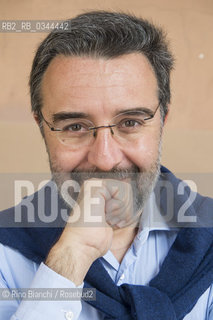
x: 104, y: 201
x: 119, y: 209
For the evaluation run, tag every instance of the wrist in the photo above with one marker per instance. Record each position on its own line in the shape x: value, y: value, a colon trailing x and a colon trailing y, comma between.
x: 71, y: 261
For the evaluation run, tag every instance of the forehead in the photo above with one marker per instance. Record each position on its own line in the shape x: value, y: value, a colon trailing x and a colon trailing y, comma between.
x: 98, y: 83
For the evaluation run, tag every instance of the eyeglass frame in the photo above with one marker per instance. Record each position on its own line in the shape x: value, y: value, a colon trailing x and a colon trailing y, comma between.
x: 97, y: 127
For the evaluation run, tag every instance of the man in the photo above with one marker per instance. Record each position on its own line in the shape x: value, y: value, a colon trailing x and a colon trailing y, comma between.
x: 100, y: 95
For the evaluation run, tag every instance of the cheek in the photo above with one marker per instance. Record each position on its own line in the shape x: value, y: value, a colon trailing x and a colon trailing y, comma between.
x: 61, y: 158
x: 65, y: 160
x: 145, y: 152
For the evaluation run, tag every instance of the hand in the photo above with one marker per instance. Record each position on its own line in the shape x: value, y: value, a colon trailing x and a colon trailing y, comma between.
x: 82, y: 242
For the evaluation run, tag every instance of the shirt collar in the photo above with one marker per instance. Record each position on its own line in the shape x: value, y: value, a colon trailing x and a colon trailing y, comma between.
x: 151, y: 220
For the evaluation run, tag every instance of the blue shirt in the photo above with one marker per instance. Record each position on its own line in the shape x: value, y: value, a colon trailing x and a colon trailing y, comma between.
x: 140, y: 264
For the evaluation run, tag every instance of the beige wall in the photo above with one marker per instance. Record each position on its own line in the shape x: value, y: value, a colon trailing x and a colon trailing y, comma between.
x: 188, y: 134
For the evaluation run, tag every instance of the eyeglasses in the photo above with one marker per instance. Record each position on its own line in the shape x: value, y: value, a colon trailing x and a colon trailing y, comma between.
x: 125, y: 127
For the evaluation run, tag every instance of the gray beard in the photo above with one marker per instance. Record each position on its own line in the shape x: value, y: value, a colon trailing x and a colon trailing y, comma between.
x: 142, y: 182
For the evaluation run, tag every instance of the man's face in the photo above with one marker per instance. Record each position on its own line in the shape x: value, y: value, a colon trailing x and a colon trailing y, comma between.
x: 101, y: 89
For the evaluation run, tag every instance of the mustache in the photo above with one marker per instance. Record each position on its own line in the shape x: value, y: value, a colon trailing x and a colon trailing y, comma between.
x: 115, y: 173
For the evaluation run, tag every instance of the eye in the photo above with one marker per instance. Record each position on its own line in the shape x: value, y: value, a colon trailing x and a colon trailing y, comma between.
x: 130, y: 123
x: 75, y: 127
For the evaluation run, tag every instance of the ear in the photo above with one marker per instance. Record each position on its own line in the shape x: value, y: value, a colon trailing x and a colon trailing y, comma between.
x: 36, y: 117
x: 166, y: 117
x: 39, y: 123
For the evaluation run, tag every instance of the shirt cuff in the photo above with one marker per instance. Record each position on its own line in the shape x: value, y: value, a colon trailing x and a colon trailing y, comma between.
x: 61, y: 304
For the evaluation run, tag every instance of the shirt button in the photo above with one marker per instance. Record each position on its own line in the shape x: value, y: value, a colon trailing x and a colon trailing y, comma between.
x: 122, y: 276
x: 69, y: 315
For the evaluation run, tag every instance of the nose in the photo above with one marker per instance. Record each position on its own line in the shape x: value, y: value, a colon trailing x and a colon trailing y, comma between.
x: 105, y: 153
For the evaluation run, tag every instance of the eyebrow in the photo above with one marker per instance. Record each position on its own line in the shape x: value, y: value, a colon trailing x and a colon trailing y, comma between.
x: 82, y: 115
x: 68, y: 115
x: 134, y: 111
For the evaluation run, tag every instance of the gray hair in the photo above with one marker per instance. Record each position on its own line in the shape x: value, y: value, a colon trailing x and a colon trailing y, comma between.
x: 108, y: 35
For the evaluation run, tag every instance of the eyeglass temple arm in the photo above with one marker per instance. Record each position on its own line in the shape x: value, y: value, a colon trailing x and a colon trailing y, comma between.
x: 49, y: 124
x: 152, y: 115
